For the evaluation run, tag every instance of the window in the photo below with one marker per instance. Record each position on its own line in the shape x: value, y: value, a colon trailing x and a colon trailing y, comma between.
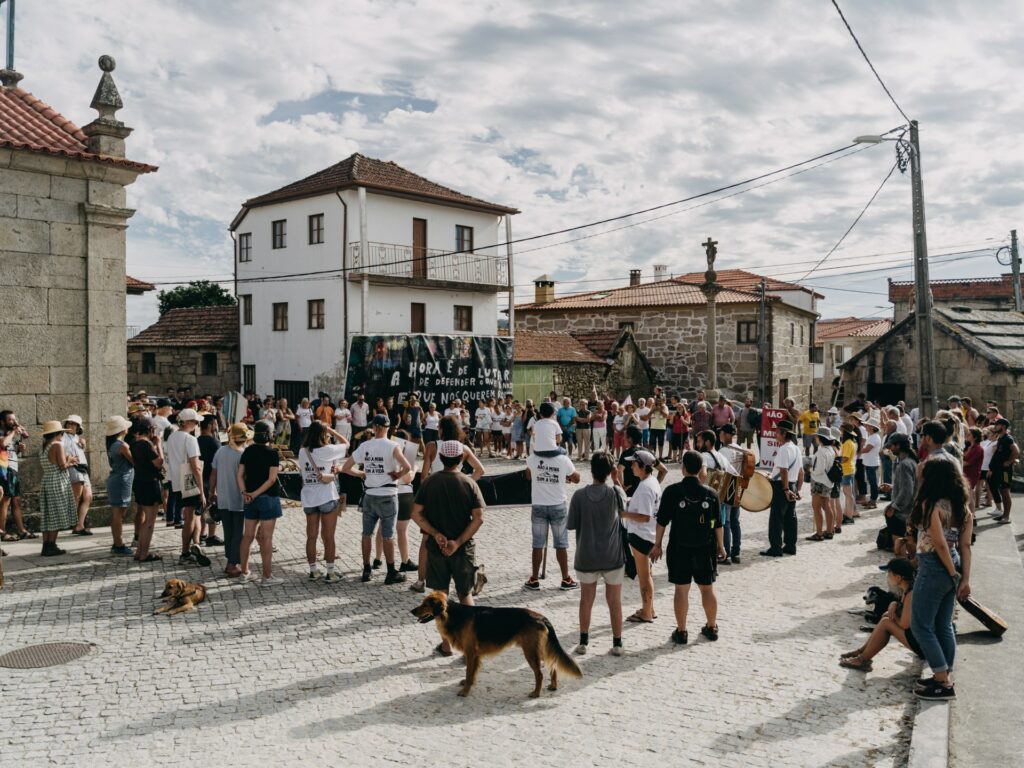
x: 817, y: 354
x: 801, y: 335
x: 249, y: 379
x: 279, y: 233
x: 245, y: 247
x: 746, y: 332
x: 792, y: 333
x: 209, y: 364
x: 838, y: 355
x: 246, y: 301
x: 783, y: 390
x: 463, y: 319
x: 315, y: 314
x: 463, y: 238
x: 281, y: 317
x: 149, y: 362
x: 316, y: 229
x: 418, y: 318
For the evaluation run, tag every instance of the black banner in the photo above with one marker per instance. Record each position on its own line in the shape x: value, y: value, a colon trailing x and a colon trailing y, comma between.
x: 436, y: 369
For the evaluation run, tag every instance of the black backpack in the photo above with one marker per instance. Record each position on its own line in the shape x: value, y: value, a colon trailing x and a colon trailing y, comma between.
x: 835, y: 472
x: 695, y: 524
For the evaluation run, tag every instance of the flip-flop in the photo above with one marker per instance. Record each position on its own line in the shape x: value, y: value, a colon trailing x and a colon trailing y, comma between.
x: 636, y: 618
x: 440, y: 651
x: 150, y: 558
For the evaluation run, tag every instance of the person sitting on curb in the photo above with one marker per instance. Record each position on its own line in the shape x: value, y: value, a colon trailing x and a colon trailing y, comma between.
x: 895, y: 623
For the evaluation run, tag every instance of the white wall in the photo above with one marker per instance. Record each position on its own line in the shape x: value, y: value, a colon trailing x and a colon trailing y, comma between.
x: 391, y: 312
x: 801, y: 299
x: 389, y: 220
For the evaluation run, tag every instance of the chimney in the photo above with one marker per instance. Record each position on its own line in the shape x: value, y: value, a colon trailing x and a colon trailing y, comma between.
x: 543, y: 290
x: 634, y: 277
x: 660, y: 272
x: 106, y: 133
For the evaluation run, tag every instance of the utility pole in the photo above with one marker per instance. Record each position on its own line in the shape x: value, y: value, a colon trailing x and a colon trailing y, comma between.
x: 10, y: 33
x: 1015, y: 267
x: 923, y: 299
x: 762, y: 343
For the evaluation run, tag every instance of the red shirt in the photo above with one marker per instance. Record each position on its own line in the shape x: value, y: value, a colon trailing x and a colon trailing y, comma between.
x: 973, y: 457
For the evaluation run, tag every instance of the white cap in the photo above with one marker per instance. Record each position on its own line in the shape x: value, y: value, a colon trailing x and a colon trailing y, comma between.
x: 188, y: 414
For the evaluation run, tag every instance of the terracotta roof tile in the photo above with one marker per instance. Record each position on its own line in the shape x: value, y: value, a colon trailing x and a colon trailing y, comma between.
x: 191, y: 327
x: 866, y: 328
x: 598, y: 342
x: 741, y: 280
x: 137, y: 287
x: 550, y: 347
x: 665, y: 293
x: 28, y: 123
x: 964, y: 288
x: 361, y: 171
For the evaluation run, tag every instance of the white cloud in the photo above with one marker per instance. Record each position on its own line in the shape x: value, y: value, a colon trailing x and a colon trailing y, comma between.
x: 572, y: 112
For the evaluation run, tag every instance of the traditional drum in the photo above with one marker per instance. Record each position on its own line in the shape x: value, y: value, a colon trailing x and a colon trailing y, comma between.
x: 757, y: 496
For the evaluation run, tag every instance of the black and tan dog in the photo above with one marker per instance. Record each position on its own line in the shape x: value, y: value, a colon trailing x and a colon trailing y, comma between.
x: 181, y: 596
x: 483, y: 631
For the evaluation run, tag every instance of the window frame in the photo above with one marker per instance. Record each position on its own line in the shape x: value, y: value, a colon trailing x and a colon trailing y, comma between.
x: 315, y: 229
x: 245, y: 304
x: 204, y: 368
x: 283, y: 325
x: 148, y: 357
x: 819, y: 358
x: 249, y: 379
x: 412, y: 317
x: 244, y: 247
x: 746, y: 332
x: 461, y: 230
x: 462, y: 312
x: 279, y: 239
x: 319, y: 316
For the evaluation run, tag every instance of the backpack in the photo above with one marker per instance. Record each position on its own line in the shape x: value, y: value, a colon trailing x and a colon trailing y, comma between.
x: 694, y: 525
x: 835, y: 472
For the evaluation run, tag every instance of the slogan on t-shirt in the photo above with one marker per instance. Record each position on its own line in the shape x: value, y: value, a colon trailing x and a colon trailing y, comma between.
x: 550, y: 474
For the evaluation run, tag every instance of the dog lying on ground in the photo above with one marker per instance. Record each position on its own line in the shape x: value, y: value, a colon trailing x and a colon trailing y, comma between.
x: 483, y: 631
x: 181, y: 596
x: 879, y: 599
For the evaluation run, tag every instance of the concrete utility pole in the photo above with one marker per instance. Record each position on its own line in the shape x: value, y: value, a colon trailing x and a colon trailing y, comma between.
x: 762, y: 343
x: 710, y: 289
x: 923, y: 309
x: 1015, y: 268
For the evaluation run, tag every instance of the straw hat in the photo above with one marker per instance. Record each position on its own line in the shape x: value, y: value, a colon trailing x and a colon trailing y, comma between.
x: 115, y: 425
x: 52, y: 428
x: 239, y: 433
x: 136, y: 408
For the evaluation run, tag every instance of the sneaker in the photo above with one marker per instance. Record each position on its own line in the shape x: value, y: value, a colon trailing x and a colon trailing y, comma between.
x: 197, y: 553
x: 367, y: 573
x: 314, y: 574
x: 568, y: 584
x: 245, y: 576
x: 408, y: 567
x: 847, y: 520
x: 580, y: 650
x: 330, y: 577
x: 418, y: 586
x: 122, y: 550
x: 616, y: 650
x: 214, y: 541
x: 377, y: 564
x: 532, y: 584
x: 82, y: 532
x: 185, y: 559
x: 772, y: 553
x: 735, y: 559
x: 479, y: 579
x: 394, y: 577
x: 680, y: 637
x: 711, y: 633
x: 271, y: 581
x: 936, y: 692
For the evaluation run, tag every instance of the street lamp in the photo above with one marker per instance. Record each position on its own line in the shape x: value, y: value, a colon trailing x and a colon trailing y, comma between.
x: 923, y: 294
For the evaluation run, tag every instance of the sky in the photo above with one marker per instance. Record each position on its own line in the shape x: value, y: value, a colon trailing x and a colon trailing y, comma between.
x: 572, y: 112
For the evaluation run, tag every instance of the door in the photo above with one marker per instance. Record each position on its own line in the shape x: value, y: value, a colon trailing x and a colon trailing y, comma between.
x: 419, y: 248
x: 783, y: 390
x: 886, y: 393
x: 292, y: 391
x: 418, y: 322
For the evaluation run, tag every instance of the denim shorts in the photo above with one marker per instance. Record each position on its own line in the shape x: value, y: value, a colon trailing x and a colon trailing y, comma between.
x: 848, y: 479
x: 263, y: 507
x: 383, y: 508
x: 555, y: 516
x: 324, y: 509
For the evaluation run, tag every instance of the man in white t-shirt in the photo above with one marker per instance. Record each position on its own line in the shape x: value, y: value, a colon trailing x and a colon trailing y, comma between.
x: 360, y: 414
x: 383, y: 464
x: 547, y: 433
x: 548, y: 476
x: 182, y: 457
x: 787, y: 477
x: 871, y: 457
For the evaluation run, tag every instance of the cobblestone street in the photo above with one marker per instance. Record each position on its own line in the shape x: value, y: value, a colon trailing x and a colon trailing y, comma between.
x: 319, y: 674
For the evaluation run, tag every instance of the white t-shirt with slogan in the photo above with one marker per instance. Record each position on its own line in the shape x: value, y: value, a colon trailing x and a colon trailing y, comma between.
x: 547, y: 479
x: 314, y: 463
x: 377, y: 458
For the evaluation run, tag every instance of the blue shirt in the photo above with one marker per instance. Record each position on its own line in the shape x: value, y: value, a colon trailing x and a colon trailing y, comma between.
x: 567, y: 417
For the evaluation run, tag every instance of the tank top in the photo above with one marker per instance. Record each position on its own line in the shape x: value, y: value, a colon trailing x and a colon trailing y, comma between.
x: 409, y: 450
x: 436, y: 465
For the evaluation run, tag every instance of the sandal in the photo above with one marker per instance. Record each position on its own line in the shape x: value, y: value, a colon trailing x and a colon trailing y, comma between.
x: 636, y: 618
x: 828, y: 537
x: 150, y: 558
x: 28, y: 535
x: 8, y: 537
x: 439, y: 649
x: 858, y: 663
x: 852, y: 654
x: 814, y: 537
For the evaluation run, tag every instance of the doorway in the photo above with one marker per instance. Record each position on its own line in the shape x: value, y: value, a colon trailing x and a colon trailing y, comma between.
x: 292, y: 391
x: 783, y: 390
x: 419, y: 248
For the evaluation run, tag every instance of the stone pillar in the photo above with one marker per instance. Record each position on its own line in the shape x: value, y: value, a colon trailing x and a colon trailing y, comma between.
x: 711, y: 289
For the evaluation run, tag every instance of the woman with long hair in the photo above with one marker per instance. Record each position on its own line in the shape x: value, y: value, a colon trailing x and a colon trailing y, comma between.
x: 319, y: 464
x: 119, y: 481
x: 148, y: 460
x: 943, y: 522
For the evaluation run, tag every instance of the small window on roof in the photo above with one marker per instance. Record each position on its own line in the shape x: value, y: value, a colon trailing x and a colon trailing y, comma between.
x: 598, y: 296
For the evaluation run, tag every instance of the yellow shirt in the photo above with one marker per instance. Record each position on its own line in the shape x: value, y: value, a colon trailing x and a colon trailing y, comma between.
x: 809, y: 422
x: 849, y: 456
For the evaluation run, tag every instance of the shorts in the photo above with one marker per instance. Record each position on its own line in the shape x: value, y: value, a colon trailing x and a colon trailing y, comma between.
x: 611, y: 578
x: 848, y: 480
x: 148, y: 493
x: 324, y: 509
x: 685, y: 566
x: 896, y: 526
x: 119, y: 491
x: 11, y: 485
x: 914, y: 645
x: 263, y: 507
x: 821, y: 489
x: 405, y: 502
x: 383, y: 508
x: 460, y: 568
x: 641, y: 545
x: 998, y: 479
x: 79, y: 477
x: 191, y: 501
x: 745, y: 435
x: 554, y: 516
x: 835, y: 491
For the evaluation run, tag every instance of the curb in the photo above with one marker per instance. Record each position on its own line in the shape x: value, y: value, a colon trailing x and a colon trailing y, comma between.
x: 929, y: 740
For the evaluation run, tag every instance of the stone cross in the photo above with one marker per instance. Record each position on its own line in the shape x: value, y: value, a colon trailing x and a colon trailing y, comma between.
x: 711, y: 251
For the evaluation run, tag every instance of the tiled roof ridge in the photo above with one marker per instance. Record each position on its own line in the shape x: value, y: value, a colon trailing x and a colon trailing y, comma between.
x: 49, y: 113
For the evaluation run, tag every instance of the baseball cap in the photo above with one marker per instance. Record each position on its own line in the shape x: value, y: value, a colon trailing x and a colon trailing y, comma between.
x: 1002, y: 422
x: 451, y: 448
x: 187, y: 414
x: 381, y: 420
x: 730, y: 428
x: 951, y: 398
x: 163, y: 402
x: 645, y: 457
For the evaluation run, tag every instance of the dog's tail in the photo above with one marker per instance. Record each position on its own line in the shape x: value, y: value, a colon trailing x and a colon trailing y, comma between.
x: 556, y: 657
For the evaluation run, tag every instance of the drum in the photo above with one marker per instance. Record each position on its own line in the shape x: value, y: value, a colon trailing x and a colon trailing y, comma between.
x: 757, y: 496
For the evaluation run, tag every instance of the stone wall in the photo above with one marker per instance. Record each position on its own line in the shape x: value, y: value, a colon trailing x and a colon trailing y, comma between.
x: 790, y: 345
x: 628, y: 375
x: 62, y: 252
x: 182, y: 367
x: 576, y: 380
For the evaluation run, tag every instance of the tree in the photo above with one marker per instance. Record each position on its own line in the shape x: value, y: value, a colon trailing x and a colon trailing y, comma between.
x: 198, y: 293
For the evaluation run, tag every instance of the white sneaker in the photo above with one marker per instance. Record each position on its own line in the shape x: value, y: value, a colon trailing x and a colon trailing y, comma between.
x: 616, y: 650
x: 314, y: 574
x: 418, y: 586
x: 271, y: 581
x: 580, y: 650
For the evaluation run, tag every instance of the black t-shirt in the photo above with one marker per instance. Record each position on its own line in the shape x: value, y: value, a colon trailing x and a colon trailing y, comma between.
x: 143, y: 454
x: 257, y: 460
x: 208, y: 447
x: 448, y: 500
x: 629, y: 480
x: 1003, y: 452
x: 693, y: 510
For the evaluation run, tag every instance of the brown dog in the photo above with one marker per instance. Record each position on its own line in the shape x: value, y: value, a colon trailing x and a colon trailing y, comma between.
x: 482, y: 631
x: 181, y: 596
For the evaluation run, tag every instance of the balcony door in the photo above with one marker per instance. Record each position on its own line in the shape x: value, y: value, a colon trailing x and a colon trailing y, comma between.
x: 419, y: 248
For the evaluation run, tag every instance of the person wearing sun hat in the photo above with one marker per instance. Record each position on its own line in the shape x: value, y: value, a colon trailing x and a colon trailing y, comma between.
x: 119, y: 481
x: 786, y: 479
x: 56, y: 497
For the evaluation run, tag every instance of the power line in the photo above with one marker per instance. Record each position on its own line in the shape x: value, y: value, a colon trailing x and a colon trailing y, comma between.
x: 865, y: 55
x: 855, y: 221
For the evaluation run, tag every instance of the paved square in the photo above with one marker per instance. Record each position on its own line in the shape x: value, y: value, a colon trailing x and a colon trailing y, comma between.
x: 315, y: 674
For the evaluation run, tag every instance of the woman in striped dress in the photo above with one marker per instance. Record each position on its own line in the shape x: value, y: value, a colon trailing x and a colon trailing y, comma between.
x: 57, y: 499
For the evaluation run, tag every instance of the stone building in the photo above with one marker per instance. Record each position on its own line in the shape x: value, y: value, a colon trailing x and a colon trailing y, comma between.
x: 975, y: 292
x: 572, y: 364
x: 835, y: 342
x: 195, y: 347
x: 63, y: 218
x: 668, y: 319
x: 979, y: 353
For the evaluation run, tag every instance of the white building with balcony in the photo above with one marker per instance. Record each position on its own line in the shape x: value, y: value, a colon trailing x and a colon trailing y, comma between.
x: 363, y: 247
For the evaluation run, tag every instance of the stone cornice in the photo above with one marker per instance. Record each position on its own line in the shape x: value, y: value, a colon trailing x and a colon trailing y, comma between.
x: 107, y: 215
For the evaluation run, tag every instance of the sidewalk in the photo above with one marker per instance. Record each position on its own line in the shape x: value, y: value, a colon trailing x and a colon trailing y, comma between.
x: 985, y: 721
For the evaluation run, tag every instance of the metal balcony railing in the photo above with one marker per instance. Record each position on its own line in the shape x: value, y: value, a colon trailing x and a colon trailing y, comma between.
x: 405, y: 261
x: 131, y: 331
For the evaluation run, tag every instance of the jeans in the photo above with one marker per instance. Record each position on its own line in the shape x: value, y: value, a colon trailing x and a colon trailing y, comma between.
x: 234, y: 524
x: 782, y: 526
x: 862, y: 483
x: 886, y: 469
x: 555, y: 516
x: 731, y: 530
x: 383, y: 508
x: 872, y: 477
x: 173, y: 511
x: 931, y: 617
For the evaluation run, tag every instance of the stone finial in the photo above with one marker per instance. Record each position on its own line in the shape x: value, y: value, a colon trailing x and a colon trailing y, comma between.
x: 9, y: 78
x: 106, y: 133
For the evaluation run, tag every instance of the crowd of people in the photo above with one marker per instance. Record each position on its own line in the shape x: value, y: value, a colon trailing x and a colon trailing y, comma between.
x: 181, y: 458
